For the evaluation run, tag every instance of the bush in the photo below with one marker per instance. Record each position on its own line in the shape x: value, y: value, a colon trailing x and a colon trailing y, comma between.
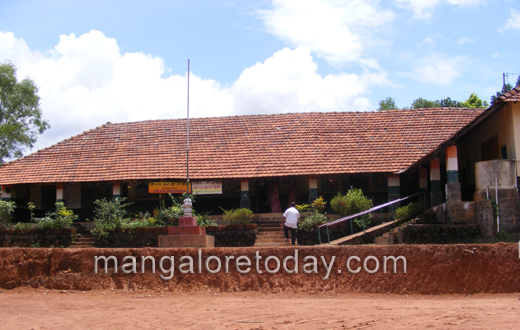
x: 409, y: 212
x: 60, y: 219
x: 319, y: 204
x: 6, y: 208
x: 351, y: 203
x: 311, y: 222
x: 237, y: 217
x: 109, y: 216
x: 205, y: 221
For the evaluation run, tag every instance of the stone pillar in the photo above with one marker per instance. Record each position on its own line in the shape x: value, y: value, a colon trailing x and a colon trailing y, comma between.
x: 116, y: 190
x: 394, y: 187
x: 245, y: 202
x: 436, y: 197
x: 59, y: 193
x: 6, y: 193
x: 313, y: 189
x: 453, y: 193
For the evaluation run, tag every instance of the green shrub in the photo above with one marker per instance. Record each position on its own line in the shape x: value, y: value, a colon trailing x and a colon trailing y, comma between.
x: 311, y: 222
x: 59, y: 219
x: 6, y: 208
x: 237, y: 216
x: 302, y: 207
x: 351, y: 203
x: 319, y: 204
x: 409, y: 212
x: 109, y: 216
x: 204, y: 220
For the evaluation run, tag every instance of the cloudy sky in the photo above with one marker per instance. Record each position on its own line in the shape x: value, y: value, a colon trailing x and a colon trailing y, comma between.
x: 96, y: 61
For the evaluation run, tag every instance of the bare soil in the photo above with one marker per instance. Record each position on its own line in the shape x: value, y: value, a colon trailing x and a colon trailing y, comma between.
x: 24, y: 308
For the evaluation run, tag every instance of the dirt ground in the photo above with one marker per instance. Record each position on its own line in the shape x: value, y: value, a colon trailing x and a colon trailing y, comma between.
x: 27, y: 308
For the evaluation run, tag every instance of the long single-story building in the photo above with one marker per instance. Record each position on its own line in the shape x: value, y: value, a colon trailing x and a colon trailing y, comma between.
x: 264, y: 162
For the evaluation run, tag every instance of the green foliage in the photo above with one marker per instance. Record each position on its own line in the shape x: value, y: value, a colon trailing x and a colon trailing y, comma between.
x: 351, y: 203
x: 449, y: 103
x: 387, y: 104
x: 409, y: 212
x: 475, y: 102
x: 312, y: 221
x: 505, y: 88
x: 319, y: 204
x: 59, y: 219
x: 109, y: 216
x: 6, y: 208
x: 421, y: 103
x: 204, y: 220
x: 170, y: 215
x: 31, y: 208
x: 302, y: 207
x: 237, y: 216
x: 20, y: 115
x: 23, y: 226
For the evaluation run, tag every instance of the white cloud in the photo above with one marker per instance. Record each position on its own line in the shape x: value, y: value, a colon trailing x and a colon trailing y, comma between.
x: 337, y: 31
x: 422, y: 9
x: 513, y: 23
x: 464, y: 40
x: 495, y: 55
x: 438, y: 72
x: 288, y: 82
x: 85, y: 81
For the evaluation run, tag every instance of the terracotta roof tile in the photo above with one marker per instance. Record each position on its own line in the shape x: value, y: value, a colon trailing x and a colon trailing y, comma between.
x: 511, y: 96
x: 244, y: 146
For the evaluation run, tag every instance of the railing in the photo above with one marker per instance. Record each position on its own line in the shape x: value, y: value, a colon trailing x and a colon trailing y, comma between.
x: 375, y: 208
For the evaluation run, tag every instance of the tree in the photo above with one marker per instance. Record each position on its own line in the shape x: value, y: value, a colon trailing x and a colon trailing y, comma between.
x: 421, y: 103
x: 20, y: 115
x: 387, y: 104
x: 449, y: 103
x: 506, y: 88
x: 474, y: 102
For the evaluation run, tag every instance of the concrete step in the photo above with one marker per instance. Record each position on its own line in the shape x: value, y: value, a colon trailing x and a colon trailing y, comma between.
x: 272, y: 244
x: 271, y: 234
x: 270, y: 240
x: 260, y: 229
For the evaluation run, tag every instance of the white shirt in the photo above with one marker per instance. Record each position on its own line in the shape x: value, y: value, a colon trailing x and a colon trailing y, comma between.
x: 291, y: 216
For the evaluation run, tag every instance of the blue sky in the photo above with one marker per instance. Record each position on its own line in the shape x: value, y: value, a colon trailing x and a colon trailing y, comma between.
x: 97, y: 61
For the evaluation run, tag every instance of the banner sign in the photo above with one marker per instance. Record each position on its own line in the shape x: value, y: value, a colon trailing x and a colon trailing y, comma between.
x: 207, y: 188
x: 167, y: 187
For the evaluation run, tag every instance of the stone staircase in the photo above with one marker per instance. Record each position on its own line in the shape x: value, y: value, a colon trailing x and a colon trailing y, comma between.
x: 394, y: 236
x: 84, y: 241
x: 270, y: 232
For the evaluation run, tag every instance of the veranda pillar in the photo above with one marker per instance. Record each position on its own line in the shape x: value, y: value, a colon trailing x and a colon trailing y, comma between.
x: 436, y: 196
x: 245, y: 202
x: 452, y: 170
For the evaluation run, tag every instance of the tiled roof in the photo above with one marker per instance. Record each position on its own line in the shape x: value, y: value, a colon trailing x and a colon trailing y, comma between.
x: 244, y: 146
x: 511, y: 96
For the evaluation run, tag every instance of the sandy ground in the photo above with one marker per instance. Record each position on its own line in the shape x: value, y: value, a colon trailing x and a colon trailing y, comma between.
x: 26, y: 308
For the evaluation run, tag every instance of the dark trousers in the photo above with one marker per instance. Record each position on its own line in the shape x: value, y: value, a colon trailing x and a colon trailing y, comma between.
x: 293, y: 233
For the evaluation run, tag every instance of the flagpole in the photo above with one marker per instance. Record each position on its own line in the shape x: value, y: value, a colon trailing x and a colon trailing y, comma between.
x: 188, y: 135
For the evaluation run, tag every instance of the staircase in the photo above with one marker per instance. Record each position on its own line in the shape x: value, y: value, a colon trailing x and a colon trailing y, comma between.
x: 84, y: 241
x: 394, y: 236
x: 270, y: 232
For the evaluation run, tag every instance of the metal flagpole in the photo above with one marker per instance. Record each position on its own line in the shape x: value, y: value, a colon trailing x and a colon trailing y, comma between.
x: 188, y: 136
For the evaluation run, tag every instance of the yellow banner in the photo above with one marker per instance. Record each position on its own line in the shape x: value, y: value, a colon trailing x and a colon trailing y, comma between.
x: 207, y: 188
x: 167, y: 187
